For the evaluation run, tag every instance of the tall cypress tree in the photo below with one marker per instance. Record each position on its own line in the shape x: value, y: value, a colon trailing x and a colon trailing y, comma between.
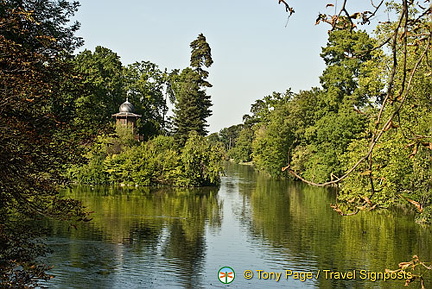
x: 192, y: 104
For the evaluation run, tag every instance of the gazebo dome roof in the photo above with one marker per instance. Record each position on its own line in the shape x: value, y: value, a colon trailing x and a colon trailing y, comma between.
x: 127, y: 107
x: 126, y: 111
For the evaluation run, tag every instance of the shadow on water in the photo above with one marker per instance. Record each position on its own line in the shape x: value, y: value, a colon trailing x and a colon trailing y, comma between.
x: 300, y: 226
x: 179, y: 238
x: 135, y: 234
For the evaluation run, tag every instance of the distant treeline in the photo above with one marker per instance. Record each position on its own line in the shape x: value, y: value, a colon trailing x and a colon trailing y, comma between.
x: 367, y: 129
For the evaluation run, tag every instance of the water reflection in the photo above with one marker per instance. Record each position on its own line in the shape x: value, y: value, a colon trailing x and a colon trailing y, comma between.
x: 304, y: 232
x: 141, y: 229
x: 178, y: 238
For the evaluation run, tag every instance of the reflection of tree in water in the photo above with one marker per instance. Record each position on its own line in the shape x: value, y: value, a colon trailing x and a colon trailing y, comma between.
x: 186, y: 252
x: 304, y: 231
x: 150, y: 223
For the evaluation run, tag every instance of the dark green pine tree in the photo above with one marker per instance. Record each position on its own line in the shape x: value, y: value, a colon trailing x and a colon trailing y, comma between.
x: 192, y: 104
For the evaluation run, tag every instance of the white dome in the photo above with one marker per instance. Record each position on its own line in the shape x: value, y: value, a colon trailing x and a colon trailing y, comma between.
x: 126, y: 107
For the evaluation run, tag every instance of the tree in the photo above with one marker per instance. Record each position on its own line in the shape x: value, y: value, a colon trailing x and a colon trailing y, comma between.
x: 398, y: 171
x: 35, y: 45
x: 242, y: 151
x: 389, y: 160
x: 192, y: 104
x: 201, y: 162
x: 345, y: 55
x: 228, y: 136
x: 101, y: 74
x: 347, y: 82
x: 273, y: 132
x: 146, y: 87
x: 201, y: 56
x: 158, y: 161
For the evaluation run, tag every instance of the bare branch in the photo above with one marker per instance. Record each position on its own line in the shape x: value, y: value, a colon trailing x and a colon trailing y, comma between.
x: 287, y: 7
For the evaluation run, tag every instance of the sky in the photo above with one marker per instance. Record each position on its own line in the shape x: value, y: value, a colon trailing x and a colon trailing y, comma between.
x: 255, y: 48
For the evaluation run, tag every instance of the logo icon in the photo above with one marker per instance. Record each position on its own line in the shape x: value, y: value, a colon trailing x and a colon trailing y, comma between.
x: 226, y: 275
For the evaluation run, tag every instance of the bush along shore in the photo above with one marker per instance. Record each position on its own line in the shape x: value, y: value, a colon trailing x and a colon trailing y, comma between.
x: 119, y: 159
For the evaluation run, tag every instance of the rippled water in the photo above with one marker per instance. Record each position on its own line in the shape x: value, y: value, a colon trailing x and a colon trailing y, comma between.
x: 179, y: 238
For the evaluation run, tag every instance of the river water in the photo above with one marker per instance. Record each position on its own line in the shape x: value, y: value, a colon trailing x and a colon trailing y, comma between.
x: 181, y: 238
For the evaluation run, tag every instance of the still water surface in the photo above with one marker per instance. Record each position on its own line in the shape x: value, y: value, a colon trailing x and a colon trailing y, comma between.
x: 180, y: 238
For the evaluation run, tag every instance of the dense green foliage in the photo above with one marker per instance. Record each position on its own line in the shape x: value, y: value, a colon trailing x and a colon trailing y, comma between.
x: 273, y: 133
x: 241, y: 150
x: 187, y: 159
x: 159, y: 161
x: 146, y: 87
x: 105, y: 83
x: 101, y: 74
x: 400, y: 168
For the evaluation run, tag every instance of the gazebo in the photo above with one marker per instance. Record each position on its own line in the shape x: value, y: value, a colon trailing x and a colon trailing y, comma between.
x: 126, y: 116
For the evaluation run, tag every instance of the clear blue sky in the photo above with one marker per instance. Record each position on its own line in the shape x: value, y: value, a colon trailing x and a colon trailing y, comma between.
x: 254, y: 53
